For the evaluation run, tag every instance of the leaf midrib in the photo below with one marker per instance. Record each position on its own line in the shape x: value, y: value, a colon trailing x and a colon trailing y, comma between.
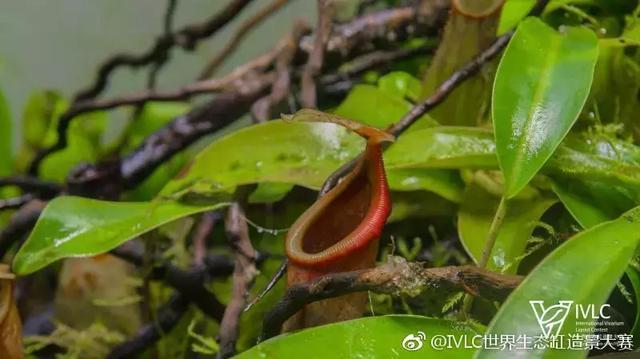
x: 538, y: 94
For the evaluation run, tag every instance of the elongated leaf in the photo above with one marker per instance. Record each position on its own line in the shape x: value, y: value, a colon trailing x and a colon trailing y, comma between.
x: 634, y: 279
x: 378, y: 106
x: 574, y: 163
x: 443, y: 147
x: 74, y: 226
x: 467, y: 147
x: 446, y: 183
x: 6, y: 138
x: 541, y: 86
x: 592, y: 203
x: 512, y: 12
x: 373, y: 337
x: 584, y: 270
x: 475, y: 217
x: 295, y: 153
x: 616, y: 83
x: 268, y: 192
x: 39, y: 127
x: 6, y: 153
x: 401, y: 84
x: 306, y: 153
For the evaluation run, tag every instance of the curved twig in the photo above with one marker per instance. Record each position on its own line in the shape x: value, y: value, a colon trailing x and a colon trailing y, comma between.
x: 397, y: 277
x: 32, y: 184
x: 237, y: 37
x: 15, y: 202
x: 316, y: 55
x: 244, y: 274
x: 440, y: 94
x: 187, y: 38
x: 20, y: 224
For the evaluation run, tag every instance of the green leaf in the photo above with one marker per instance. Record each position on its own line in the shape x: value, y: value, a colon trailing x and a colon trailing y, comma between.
x: 38, y: 113
x: 634, y: 279
x: 512, y: 12
x: 446, y: 183
x: 591, y: 203
x: 6, y: 138
x: 295, y: 153
x: 268, y: 192
x: 74, y: 226
x: 616, y: 84
x: 541, y: 85
x: 474, y: 220
x: 401, y: 84
x: 379, y: 108
x: 373, y: 337
x: 584, y: 269
x: 604, y: 168
x: 420, y: 204
x: 301, y: 154
x: 39, y: 127
x: 592, y: 200
x: 306, y: 153
x: 443, y: 147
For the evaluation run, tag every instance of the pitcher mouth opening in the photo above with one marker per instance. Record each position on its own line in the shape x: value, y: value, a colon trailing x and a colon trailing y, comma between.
x: 349, y: 217
x: 345, y: 220
x: 477, y: 9
x: 339, y: 218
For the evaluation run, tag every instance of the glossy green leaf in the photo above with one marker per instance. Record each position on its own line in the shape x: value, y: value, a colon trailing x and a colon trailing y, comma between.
x: 591, y: 203
x: 306, y: 153
x: 604, y: 168
x: 474, y: 220
x: 74, y: 226
x: 634, y: 279
x: 584, y: 270
x: 541, y: 85
x: 401, y: 84
x: 512, y: 12
x: 372, y: 337
x: 379, y: 108
x: 446, y: 183
x: 295, y: 153
x: 291, y: 153
x: 443, y: 147
x: 268, y: 192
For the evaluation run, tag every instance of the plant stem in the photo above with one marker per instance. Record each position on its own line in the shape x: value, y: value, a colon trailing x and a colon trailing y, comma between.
x: 494, y: 230
x: 498, y: 219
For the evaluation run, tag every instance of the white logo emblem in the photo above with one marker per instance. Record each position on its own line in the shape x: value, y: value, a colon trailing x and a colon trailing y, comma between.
x: 551, y: 318
x: 413, y: 342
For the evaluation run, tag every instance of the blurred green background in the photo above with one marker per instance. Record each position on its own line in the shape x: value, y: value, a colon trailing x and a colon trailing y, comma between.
x: 58, y: 44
